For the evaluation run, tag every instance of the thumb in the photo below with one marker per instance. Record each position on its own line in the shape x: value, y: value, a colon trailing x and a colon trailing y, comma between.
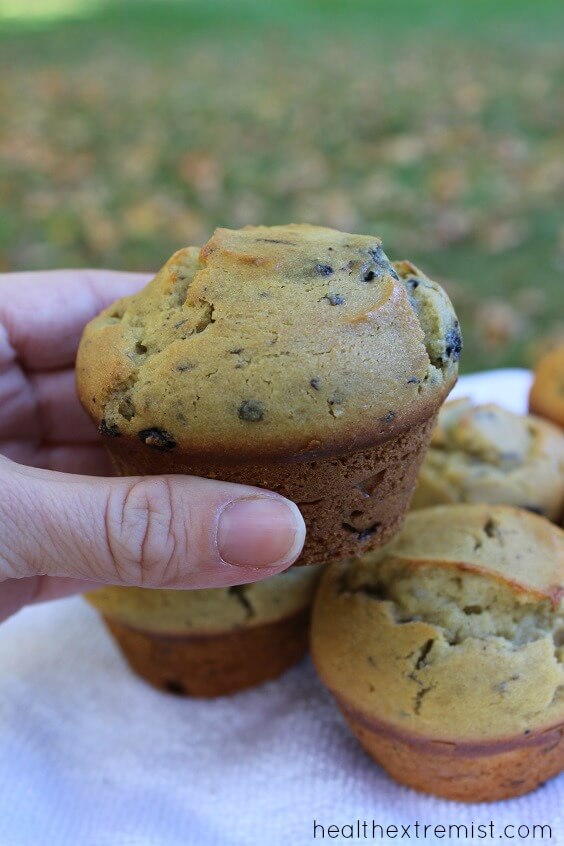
x: 154, y: 531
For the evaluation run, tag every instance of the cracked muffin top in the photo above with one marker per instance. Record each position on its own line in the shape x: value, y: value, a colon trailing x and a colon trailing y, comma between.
x: 483, y: 453
x: 209, y: 611
x: 271, y: 341
x: 454, y: 630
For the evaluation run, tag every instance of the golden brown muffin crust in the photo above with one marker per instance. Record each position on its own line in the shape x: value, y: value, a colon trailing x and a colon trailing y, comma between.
x: 214, y: 665
x: 464, y: 772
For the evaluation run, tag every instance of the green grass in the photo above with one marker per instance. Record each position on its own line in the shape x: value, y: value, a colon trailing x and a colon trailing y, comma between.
x: 132, y: 128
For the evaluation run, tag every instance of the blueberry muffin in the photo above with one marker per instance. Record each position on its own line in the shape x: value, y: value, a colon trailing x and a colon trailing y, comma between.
x: 484, y: 453
x: 547, y: 393
x: 445, y: 650
x: 295, y: 358
x: 211, y: 642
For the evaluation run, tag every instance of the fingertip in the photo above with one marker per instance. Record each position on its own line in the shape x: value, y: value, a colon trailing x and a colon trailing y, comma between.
x: 260, y: 532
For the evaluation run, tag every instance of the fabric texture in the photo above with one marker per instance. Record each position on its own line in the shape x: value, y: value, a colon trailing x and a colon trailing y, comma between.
x: 91, y: 755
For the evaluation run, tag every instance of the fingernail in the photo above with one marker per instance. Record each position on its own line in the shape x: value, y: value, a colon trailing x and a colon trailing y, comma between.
x: 260, y: 532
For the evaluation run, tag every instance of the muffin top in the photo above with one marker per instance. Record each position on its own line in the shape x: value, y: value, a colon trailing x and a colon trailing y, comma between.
x: 454, y: 631
x: 547, y: 392
x: 271, y: 341
x: 484, y: 453
x: 209, y: 611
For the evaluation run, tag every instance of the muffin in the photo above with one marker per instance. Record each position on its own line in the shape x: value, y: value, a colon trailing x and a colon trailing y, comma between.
x: 445, y: 650
x: 295, y: 358
x: 484, y: 453
x: 547, y: 393
x: 211, y: 642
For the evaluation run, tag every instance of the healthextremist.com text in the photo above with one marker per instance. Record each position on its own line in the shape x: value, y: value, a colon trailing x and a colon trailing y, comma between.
x: 372, y: 830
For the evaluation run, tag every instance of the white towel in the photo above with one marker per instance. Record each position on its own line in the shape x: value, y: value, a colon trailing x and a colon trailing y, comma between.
x: 92, y: 756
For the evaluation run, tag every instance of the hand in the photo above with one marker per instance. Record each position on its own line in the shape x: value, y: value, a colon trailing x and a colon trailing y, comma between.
x: 61, y: 529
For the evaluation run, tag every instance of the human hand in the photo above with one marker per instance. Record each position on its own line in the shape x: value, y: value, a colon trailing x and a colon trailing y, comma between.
x: 61, y: 529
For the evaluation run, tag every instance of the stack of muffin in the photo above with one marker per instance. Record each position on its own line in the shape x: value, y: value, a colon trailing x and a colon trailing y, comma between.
x: 301, y: 360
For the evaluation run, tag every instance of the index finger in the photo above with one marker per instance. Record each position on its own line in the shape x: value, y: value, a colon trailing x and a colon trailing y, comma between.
x: 43, y: 313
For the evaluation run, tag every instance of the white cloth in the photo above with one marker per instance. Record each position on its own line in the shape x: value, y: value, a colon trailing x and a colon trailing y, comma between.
x: 92, y: 756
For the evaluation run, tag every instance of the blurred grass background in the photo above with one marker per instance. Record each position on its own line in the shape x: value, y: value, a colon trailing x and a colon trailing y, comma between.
x: 131, y: 128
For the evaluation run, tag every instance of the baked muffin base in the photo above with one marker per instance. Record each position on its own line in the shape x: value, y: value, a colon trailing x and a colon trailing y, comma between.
x: 351, y: 503
x: 215, y: 664
x: 464, y: 772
